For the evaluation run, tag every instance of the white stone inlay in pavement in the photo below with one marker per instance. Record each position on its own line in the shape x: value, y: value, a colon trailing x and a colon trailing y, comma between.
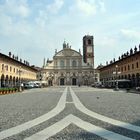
x: 69, y: 102
x: 58, y: 126
x: 83, y: 109
x: 17, y: 129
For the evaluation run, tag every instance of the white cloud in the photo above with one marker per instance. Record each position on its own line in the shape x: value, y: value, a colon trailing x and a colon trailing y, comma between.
x: 102, y: 6
x: 9, y: 28
x: 107, y: 41
x: 13, y: 15
x: 23, y: 11
x: 131, y: 34
x: 48, y: 12
x: 5, y: 24
x: 16, y: 8
x: 48, y: 25
x: 87, y: 7
x: 41, y: 18
x: 55, y: 7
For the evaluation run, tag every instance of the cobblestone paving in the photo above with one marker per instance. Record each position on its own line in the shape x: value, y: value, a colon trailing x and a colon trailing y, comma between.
x: 117, y: 105
x: 69, y: 132
x: 21, y: 107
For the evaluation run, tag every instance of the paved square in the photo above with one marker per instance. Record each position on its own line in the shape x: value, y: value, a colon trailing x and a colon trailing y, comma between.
x: 70, y: 113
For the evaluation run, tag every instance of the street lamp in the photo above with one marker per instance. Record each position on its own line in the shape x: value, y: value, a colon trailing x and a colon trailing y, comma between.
x: 116, y: 72
x: 20, y: 71
x: 40, y: 78
x: 116, y: 78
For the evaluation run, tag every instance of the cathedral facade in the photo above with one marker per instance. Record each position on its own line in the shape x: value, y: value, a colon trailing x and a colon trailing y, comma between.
x: 69, y: 67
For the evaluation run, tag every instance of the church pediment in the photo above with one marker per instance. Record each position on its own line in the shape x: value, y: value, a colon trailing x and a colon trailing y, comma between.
x: 68, y: 52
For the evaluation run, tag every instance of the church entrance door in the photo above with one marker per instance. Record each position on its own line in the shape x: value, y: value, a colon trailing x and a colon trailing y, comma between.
x: 50, y: 83
x: 62, y: 81
x: 86, y: 82
x: 74, y: 81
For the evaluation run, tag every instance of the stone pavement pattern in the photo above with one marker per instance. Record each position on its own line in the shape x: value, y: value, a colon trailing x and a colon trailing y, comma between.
x: 73, y: 114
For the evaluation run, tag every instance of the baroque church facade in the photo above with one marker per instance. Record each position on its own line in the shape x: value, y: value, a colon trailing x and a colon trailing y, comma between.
x: 70, y: 67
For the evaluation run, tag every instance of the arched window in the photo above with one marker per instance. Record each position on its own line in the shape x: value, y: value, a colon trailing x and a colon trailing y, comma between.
x: 74, y: 63
x: 89, y: 42
x: 62, y: 63
x: 2, y: 66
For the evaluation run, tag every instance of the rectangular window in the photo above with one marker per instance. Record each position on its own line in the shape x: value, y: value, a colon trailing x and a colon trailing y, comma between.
x: 137, y: 65
x: 122, y: 69
x: 119, y: 69
x: 125, y: 68
x: 128, y: 67
x: 17, y: 71
x: 132, y: 66
x: 6, y: 67
x: 2, y: 66
x: 10, y: 68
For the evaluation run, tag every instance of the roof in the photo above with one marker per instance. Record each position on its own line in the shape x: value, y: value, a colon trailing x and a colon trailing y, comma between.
x: 122, y: 59
x: 16, y: 61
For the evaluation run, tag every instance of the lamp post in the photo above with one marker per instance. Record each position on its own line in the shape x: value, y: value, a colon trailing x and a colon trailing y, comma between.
x: 116, y: 78
x: 116, y: 73
x: 20, y: 71
x: 40, y: 78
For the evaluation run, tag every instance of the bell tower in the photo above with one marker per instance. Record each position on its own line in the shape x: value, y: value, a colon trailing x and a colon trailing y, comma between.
x: 88, y: 49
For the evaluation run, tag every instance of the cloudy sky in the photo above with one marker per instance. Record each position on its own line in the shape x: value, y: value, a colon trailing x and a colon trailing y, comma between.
x: 33, y: 29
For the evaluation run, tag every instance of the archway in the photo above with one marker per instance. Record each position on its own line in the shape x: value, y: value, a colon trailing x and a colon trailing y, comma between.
x: 10, y: 82
x: 6, y: 81
x: 14, y: 81
x: 50, y: 82
x: 17, y: 82
x: 125, y: 76
x: 137, y: 79
x: 129, y: 76
x: 86, y: 82
x: 133, y: 80
x: 62, y: 81
x: 2, y: 81
x: 74, y: 82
